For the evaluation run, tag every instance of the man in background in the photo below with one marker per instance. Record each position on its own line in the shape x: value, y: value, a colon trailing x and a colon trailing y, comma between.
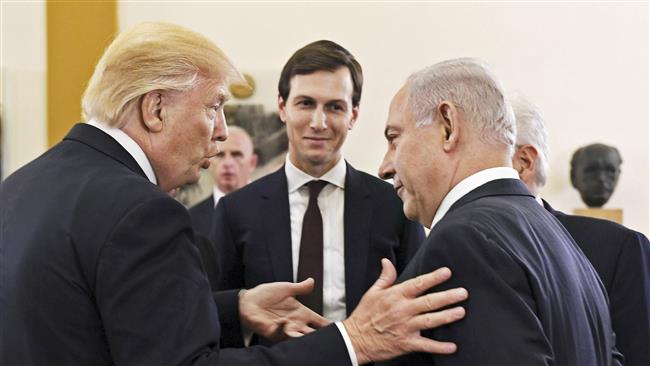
x: 317, y: 216
x: 230, y: 169
x: 620, y: 256
x: 535, y: 299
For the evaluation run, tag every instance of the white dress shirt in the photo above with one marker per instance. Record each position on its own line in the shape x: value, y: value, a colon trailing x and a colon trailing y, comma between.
x: 130, y: 146
x: 216, y: 195
x: 331, y: 202
x: 469, y: 184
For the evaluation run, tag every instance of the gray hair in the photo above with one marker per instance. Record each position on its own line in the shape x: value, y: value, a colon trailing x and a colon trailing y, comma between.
x: 531, y: 131
x: 471, y: 86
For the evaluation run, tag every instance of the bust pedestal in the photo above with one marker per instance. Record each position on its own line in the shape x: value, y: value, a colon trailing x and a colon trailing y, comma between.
x: 615, y: 214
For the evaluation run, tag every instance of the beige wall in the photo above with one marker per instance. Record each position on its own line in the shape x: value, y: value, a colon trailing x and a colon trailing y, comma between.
x: 22, y: 93
x: 586, y: 65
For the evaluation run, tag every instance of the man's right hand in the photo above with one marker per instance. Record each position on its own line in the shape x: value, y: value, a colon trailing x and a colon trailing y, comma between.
x: 388, y: 320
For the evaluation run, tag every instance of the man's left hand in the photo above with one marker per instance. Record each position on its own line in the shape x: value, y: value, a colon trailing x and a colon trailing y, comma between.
x: 271, y: 310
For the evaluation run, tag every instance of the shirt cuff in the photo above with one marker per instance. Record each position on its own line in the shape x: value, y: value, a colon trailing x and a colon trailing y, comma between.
x: 348, y: 343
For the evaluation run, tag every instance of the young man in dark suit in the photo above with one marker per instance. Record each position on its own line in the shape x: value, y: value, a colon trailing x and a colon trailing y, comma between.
x: 620, y: 256
x: 535, y: 299
x: 98, y: 264
x: 317, y: 216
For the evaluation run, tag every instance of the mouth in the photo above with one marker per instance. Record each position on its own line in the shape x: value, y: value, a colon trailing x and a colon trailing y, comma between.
x: 399, y: 188
x: 205, y: 164
x: 317, y: 139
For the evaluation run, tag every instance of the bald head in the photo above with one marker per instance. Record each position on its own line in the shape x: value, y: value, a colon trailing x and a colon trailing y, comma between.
x: 232, y: 167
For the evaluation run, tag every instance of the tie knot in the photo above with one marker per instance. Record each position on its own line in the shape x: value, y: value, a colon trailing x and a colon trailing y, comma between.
x: 315, y: 186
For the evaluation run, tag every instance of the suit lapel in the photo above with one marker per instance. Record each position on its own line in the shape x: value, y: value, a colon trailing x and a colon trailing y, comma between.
x: 99, y: 140
x: 277, y: 225
x: 357, y: 217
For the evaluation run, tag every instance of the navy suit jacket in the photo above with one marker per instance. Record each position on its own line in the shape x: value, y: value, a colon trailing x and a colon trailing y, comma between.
x: 621, y: 258
x: 252, y: 233
x: 534, y: 299
x: 202, y: 215
x: 98, y: 267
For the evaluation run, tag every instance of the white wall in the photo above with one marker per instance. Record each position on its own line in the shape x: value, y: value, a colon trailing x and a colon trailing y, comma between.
x: 586, y: 65
x: 23, y: 66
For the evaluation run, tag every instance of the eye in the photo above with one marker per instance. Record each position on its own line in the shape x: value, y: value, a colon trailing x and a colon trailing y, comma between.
x: 304, y: 103
x: 336, y: 107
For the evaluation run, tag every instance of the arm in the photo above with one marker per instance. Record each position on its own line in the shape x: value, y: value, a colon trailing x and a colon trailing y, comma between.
x: 230, y: 266
x: 501, y: 323
x: 630, y: 299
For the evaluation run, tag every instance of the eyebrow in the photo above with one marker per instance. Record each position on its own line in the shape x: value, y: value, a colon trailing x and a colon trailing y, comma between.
x: 388, y: 129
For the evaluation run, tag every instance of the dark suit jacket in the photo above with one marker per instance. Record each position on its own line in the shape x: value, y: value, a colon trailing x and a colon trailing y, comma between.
x: 98, y: 267
x: 534, y: 299
x: 621, y: 258
x: 253, y: 233
x: 202, y: 215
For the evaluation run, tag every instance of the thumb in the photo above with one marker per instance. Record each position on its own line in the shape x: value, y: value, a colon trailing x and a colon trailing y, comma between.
x: 387, y: 276
x: 302, y: 288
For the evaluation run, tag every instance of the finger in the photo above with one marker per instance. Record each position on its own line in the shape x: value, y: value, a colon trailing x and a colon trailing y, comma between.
x: 436, y: 319
x: 422, y: 344
x: 387, y: 276
x: 437, y: 300
x: 312, y: 318
x: 422, y: 283
x: 303, y: 288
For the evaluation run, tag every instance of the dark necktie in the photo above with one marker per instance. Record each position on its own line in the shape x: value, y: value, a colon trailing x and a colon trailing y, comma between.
x: 310, y: 261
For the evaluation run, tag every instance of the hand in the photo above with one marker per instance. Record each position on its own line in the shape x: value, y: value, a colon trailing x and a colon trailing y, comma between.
x: 388, y: 319
x: 272, y: 311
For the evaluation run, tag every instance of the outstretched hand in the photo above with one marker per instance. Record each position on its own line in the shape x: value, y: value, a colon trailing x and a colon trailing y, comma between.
x: 388, y: 320
x: 271, y: 310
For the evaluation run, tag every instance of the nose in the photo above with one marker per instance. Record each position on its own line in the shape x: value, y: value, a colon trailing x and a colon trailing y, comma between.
x: 219, y: 133
x: 318, y: 120
x: 386, y: 169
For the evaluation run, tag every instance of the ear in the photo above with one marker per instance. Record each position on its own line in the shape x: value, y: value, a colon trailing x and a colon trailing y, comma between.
x: 355, y: 114
x: 524, y: 162
x: 282, y: 104
x: 449, y: 117
x: 151, y: 109
x: 253, y: 161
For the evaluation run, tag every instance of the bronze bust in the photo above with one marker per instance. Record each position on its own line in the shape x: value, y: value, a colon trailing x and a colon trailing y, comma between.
x: 594, y: 173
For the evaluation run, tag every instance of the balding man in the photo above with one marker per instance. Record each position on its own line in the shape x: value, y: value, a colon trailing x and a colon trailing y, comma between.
x: 231, y: 169
x: 620, y: 256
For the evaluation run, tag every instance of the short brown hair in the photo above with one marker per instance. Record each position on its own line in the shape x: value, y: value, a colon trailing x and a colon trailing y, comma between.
x: 321, y: 56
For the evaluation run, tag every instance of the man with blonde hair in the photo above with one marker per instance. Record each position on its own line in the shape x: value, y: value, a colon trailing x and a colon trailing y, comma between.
x: 620, y: 256
x: 535, y: 299
x: 97, y: 261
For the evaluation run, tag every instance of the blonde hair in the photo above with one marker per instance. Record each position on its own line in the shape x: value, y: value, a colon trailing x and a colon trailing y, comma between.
x: 151, y: 56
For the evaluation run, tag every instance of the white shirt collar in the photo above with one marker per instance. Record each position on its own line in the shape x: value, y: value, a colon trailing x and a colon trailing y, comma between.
x: 130, y: 146
x: 216, y: 195
x: 296, y: 178
x: 469, y: 184
x: 539, y: 200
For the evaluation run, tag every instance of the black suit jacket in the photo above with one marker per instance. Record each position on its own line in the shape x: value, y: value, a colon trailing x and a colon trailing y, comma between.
x: 534, y: 299
x: 202, y: 215
x: 252, y: 233
x: 621, y: 258
x: 98, y: 267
